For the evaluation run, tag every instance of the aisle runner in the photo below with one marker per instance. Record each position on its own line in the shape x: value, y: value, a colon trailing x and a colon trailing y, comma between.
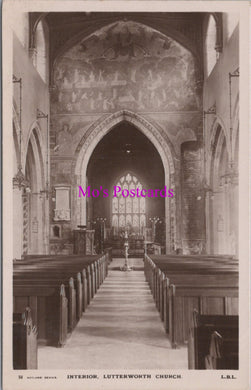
x: 121, y: 329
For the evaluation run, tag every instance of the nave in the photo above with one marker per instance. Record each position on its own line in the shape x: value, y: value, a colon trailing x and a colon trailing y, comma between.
x: 121, y: 329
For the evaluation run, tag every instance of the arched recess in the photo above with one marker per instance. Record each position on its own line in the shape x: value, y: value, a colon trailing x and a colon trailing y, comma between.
x: 90, y: 140
x: 34, y: 221
x: 214, y: 133
x: 222, y: 210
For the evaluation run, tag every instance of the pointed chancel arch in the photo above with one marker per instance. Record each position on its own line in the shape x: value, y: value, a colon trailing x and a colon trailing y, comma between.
x: 159, y: 139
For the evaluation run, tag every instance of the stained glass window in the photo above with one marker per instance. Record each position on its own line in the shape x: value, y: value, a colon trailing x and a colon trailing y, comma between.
x: 129, y: 211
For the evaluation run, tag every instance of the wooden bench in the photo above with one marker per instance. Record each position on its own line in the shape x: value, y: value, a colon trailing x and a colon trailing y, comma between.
x: 50, y: 271
x: 213, y: 342
x: 207, y: 299
x: 24, y: 341
x: 73, y: 289
x: 209, y: 275
x: 50, y: 307
x: 152, y: 265
x: 96, y: 267
x: 156, y: 274
x: 93, y: 270
x: 211, y: 287
x: 160, y: 266
x: 83, y: 278
x: 223, y: 351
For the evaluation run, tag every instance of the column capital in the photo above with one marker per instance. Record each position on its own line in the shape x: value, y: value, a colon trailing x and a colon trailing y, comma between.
x: 19, y: 180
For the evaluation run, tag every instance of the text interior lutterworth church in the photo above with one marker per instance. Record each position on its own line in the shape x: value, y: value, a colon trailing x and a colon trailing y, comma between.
x: 141, y: 102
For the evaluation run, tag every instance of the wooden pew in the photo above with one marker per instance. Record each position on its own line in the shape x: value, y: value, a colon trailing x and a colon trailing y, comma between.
x: 50, y: 307
x: 24, y: 341
x: 93, y: 275
x: 167, y: 264
x: 206, y: 348
x: 94, y: 264
x: 223, y: 352
x: 37, y: 277
x: 171, y: 270
x: 210, y: 277
x: 80, y: 273
x: 58, y: 268
x: 178, y: 288
x: 207, y: 299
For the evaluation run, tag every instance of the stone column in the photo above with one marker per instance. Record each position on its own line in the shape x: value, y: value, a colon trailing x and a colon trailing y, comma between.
x: 193, y: 199
x: 17, y: 222
x: 33, y: 55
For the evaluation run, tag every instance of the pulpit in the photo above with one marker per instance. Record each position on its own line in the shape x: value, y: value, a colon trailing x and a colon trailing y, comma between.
x: 83, y: 241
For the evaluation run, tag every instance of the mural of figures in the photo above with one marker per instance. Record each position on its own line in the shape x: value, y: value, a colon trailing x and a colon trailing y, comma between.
x: 130, y: 66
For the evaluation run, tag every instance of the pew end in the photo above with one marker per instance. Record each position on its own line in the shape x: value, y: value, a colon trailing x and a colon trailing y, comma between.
x: 24, y: 341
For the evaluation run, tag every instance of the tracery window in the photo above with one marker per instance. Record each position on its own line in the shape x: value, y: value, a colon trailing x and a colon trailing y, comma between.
x: 130, y: 211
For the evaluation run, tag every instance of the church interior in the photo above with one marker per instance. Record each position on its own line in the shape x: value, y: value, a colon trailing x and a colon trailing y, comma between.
x: 134, y: 100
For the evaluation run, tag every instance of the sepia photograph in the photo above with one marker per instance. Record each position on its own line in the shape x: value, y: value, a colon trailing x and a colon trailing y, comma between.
x: 126, y: 195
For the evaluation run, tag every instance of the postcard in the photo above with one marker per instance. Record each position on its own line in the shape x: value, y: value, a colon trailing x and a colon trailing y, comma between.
x: 126, y: 199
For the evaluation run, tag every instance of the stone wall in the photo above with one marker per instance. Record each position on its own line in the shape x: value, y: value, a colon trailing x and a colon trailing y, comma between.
x: 125, y: 66
x: 222, y: 201
x: 34, y: 95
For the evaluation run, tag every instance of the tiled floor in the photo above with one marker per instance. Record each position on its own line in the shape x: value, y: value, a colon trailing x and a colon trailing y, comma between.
x: 121, y: 329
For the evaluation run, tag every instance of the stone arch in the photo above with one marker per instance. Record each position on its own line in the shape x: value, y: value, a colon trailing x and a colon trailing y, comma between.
x: 36, y: 130
x: 218, y: 122
x: 159, y: 139
x: 221, y: 144
x: 101, y: 127
x: 34, y: 229
x: 222, y: 211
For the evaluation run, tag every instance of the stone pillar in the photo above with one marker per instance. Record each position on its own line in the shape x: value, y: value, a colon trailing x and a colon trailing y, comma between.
x: 193, y: 199
x: 17, y: 222
x: 33, y: 55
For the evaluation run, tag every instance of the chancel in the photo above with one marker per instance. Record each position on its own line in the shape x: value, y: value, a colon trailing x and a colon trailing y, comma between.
x: 125, y: 190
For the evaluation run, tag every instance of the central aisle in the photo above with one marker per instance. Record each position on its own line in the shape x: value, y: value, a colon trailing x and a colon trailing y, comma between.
x: 121, y: 329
